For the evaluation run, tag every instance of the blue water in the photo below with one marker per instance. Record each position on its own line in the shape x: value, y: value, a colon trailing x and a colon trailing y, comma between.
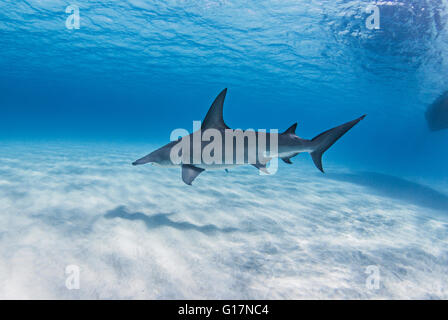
x: 135, y: 70
x: 89, y: 101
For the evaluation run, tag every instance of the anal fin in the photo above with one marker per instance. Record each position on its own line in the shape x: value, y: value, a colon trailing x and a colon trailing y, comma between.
x: 288, y: 159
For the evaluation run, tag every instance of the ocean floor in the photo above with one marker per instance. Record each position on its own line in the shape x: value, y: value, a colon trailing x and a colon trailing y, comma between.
x: 140, y: 232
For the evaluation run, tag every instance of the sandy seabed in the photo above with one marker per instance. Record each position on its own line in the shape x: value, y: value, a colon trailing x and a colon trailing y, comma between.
x: 140, y: 232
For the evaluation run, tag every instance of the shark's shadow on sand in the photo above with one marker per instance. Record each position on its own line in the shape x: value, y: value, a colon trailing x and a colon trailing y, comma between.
x: 162, y: 220
x: 398, y: 188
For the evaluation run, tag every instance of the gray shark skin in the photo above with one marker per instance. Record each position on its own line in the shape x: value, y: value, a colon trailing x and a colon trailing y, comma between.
x: 289, y: 145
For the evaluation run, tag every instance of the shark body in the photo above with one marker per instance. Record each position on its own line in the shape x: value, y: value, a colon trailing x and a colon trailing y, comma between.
x: 288, y: 146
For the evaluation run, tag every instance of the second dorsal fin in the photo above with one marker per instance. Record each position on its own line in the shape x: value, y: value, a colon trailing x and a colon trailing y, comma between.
x: 291, y: 129
x: 214, y: 118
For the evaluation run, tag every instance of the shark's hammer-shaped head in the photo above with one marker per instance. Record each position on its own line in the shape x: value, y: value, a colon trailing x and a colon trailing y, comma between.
x: 160, y: 157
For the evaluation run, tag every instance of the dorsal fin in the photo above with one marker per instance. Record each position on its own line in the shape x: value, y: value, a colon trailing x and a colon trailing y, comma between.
x: 214, y: 118
x: 291, y: 129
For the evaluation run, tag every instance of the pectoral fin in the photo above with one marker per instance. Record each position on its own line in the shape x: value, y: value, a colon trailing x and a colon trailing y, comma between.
x: 189, y: 173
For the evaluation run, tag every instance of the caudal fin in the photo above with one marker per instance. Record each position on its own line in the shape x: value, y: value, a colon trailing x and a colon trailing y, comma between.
x: 326, y: 139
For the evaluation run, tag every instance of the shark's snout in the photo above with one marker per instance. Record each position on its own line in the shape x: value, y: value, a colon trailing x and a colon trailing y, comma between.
x: 143, y: 160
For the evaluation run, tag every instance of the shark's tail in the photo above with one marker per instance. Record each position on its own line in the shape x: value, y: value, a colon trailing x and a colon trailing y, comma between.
x: 326, y: 139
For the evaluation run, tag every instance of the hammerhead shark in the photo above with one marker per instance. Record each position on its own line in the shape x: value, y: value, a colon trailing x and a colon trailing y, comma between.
x: 188, y: 151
